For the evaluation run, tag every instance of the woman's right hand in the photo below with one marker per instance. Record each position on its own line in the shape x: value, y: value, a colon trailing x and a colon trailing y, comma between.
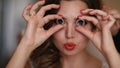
x: 35, y: 34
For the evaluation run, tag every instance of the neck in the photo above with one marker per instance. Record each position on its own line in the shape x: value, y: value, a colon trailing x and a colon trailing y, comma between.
x: 75, y: 61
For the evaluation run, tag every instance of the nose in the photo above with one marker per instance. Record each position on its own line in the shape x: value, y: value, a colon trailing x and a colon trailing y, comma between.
x: 70, y: 31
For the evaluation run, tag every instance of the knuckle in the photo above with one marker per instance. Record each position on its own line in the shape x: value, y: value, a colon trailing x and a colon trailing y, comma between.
x: 52, y: 5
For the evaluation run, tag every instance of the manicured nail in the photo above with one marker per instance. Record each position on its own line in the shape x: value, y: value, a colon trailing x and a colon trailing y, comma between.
x: 30, y: 4
x: 58, y: 5
x: 60, y: 15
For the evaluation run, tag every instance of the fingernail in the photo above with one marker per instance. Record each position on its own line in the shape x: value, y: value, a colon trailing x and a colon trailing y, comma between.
x: 58, y: 5
x: 30, y: 4
x: 60, y: 15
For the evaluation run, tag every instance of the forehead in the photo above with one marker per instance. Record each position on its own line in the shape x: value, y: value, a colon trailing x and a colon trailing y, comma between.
x: 71, y: 8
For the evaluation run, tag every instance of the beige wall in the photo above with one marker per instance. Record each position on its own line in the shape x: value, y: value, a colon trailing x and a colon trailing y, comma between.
x: 113, y: 3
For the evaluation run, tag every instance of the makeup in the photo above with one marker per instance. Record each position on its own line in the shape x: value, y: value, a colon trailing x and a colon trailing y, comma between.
x: 69, y: 46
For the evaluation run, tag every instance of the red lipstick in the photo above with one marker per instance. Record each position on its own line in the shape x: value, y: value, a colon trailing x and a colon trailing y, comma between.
x: 69, y: 46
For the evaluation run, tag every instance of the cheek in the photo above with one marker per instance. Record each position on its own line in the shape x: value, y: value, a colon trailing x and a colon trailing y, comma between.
x: 82, y: 39
x: 59, y: 35
x: 58, y: 38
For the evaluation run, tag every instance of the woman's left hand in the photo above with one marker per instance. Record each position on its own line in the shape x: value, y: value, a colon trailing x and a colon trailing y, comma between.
x: 102, y: 37
x: 103, y: 22
x: 115, y: 13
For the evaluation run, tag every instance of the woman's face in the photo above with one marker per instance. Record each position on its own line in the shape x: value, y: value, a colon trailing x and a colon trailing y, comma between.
x: 68, y: 40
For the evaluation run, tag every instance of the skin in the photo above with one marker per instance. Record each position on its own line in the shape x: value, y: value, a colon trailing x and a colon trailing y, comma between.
x: 115, y: 13
x: 116, y: 27
x: 69, y: 34
x: 35, y: 35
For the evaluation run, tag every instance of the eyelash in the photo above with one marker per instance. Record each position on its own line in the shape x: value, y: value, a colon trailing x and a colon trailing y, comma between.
x: 77, y: 22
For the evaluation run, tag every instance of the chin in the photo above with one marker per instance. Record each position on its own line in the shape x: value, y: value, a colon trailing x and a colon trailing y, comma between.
x: 70, y: 53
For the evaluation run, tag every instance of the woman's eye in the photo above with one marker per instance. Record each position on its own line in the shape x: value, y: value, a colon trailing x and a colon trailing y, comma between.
x: 59, y: 21
x: 81, y: 22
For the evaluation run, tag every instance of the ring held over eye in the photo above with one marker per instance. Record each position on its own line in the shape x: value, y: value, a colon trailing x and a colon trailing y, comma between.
x: 77, y: 22
x: 59, y: 21
x: 80, y: 22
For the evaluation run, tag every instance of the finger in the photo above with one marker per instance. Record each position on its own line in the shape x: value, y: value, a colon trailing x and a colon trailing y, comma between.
x: 54, y: 29
x: 93, y: 20
x: 116, y: 16
x: 36, y: 7
x: 98, y: 12
x: 86, y: 11
x: 101, y: 15
x: 93, y: 12
x: 111, y: 20
x: 50, y: 17
x: 26, y: 11
x: 114, y: 13
x: 106, y: 8
x: 85, y: 32
x: 42, y: 11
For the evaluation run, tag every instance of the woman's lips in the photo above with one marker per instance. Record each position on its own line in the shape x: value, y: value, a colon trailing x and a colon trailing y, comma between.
x: 69, y: 46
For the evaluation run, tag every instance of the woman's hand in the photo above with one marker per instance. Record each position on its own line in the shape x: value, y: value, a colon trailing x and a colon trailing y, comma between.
x: 35, y: 34
x: 101, y: 37
x: 115, y: 13
x: 103, y: 22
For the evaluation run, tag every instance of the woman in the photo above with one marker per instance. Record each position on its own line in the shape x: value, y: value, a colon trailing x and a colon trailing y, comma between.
x: 58, y: 32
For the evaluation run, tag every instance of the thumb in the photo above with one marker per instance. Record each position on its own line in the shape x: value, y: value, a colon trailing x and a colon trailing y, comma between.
x: 85, y: 32
x: 54, y: 29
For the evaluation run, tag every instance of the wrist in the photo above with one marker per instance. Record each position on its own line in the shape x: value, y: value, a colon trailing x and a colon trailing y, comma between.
x: 27, y: 44
x: 20, y: 57
x: 24, y: 49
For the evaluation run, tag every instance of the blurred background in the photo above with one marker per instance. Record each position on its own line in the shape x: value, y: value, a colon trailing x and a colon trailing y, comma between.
x: 12, y: 24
